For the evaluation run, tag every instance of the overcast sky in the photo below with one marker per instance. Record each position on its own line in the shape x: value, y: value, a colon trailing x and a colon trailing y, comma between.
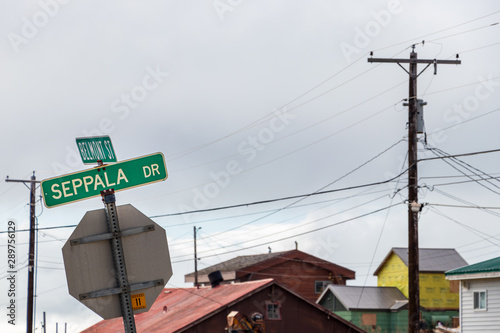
x: 251, y: 101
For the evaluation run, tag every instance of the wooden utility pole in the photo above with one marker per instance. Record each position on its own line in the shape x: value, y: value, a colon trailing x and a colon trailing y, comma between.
x: 413, y: 205
x: 31, y: 256
x: 195, y: 258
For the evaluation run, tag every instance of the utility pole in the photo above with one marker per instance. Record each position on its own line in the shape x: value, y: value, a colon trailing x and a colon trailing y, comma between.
x: 195, y: 230
x: 44, y: 323
x: 413, y: 205
x: 31, y: 256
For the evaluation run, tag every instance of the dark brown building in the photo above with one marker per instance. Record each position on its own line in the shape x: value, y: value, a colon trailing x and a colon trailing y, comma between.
x: 205, y: 310
x: 302, y: 273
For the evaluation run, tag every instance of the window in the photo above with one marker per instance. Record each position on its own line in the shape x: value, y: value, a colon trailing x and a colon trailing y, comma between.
x: 273, y: 311
x: 480, y: 300
x: 319, y: 286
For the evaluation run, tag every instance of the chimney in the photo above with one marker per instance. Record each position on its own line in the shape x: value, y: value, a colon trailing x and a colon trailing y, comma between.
x: 215, y: 278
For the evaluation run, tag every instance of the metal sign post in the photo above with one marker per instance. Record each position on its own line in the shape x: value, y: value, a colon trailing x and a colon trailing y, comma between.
x: 108, y: 197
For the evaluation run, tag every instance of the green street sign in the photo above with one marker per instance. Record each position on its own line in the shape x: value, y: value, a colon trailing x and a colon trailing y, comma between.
x: 89, y: 183
x: 96, y: 148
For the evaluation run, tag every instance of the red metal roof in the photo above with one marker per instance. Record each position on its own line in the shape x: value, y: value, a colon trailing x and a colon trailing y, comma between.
x: 180, y: 308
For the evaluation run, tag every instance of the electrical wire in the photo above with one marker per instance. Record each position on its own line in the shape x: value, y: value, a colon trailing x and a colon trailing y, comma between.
x: 459, y: 206
x: 300, y: 234
x: 295, y: 227
x: 436, y: 32
x: 440, y: 153
x: 479, y: 233
x: 321, y: 189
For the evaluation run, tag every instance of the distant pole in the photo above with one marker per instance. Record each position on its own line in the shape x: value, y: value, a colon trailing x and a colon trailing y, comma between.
x: 31, y: 255
x: 44, y: 323
x: 195, y: 259
x: 413, y: 205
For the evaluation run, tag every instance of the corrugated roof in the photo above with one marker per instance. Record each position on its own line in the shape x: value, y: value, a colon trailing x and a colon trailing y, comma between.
x: 180, y: 308
x: 488, y: 266
x: 368, y: 298
x: 430, y: 260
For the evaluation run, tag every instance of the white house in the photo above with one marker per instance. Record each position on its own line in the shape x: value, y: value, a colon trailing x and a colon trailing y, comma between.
x: 479, y: 296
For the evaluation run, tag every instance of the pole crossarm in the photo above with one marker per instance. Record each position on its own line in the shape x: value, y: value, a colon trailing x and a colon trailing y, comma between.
x: 8, y: 180
x: 415, y: 61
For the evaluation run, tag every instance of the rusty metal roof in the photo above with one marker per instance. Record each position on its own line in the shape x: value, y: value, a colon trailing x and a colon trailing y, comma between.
x: 181, y: 308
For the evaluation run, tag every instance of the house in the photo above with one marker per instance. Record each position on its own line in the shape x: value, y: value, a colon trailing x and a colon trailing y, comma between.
x: 207, y: 309
x: 479, y: 296
x: 438, y: 295
x: 302, y: 273
x: 377, y: 309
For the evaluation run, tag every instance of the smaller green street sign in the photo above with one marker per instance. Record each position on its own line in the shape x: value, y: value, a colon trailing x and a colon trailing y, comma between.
x: 89, y: 183
x: 96, y: 148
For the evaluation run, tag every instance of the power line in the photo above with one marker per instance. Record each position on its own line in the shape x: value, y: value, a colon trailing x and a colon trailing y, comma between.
x: 319, y: 191
x: 291, y: 197
x: 459, y: 155
x: 454, y: 159
x: 460, y: 206
x: 288, y: 229
x: 297, y: 235
x: 436, y: 32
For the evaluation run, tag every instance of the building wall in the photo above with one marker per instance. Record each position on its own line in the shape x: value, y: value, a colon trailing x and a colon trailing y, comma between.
x: 300, y: 277
x: 378, y: 321
x: 435, y: 290
x: 381, y: 321
x: 487, y: 321
x: 394, y: 274
x: 297, y: 316
x: 436, y: 293
x: 331, y: 303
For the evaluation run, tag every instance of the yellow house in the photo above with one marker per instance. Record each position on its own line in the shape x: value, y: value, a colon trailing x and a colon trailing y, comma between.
x: 436, y: 292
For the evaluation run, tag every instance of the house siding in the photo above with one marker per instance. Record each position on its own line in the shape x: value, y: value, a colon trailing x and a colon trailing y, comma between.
x: 435, y: 292
x: 386, y: 322
x: 394, y: 274
x: 484, y: 321
x: 297, y: 276
x: 297, y: 316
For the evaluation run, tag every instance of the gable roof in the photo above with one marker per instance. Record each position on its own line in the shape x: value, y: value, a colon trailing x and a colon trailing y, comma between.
x: 243, y: 265
x: 430, y: 260
x: 238, y: 263
x: 367, y: 298
x: 490, y: 267
x: 178, y: 309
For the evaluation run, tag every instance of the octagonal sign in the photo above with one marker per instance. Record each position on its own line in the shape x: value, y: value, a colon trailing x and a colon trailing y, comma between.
x: 89, y: 263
